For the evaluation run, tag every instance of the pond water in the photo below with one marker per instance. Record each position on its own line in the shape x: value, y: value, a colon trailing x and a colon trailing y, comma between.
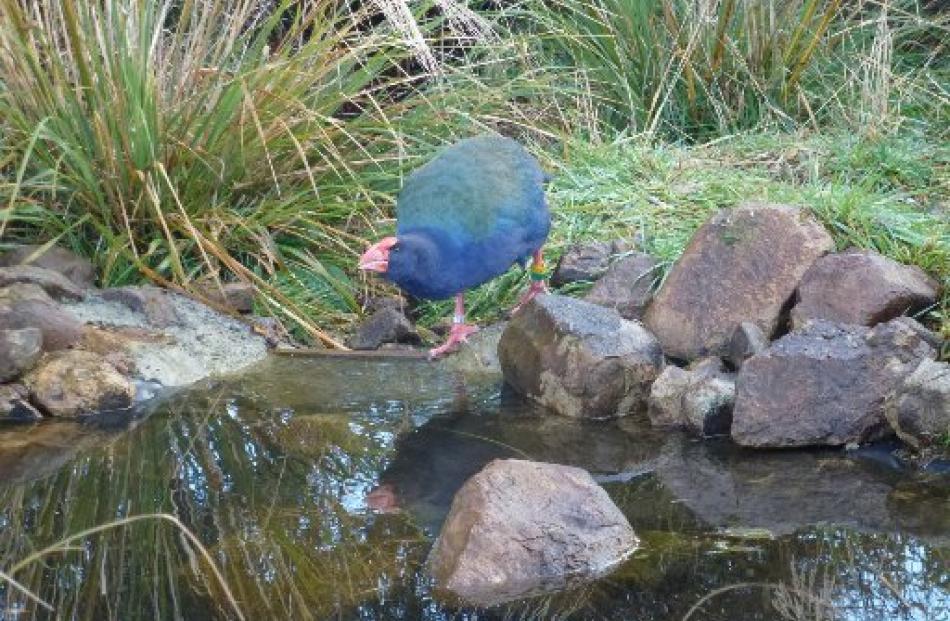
x: 271, y: 471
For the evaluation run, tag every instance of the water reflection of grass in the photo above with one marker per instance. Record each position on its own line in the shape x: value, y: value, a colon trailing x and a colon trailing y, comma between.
x: 263, y: 496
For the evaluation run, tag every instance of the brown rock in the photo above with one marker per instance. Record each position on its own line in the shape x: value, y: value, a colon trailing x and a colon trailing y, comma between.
x: 743, y: 264
x: 579, y: 359
x: 15, y: 404
x: 19, y: 350
x: 74, y: 267
x: 824, y: 384
x: 237, y: 296
x: 60, y: 329
x: 861, y: 287
x: 584, y: 262
x: 384, y: 326
x: 54, y: 283
x: 626, y: 286
x: 152, y: 302
x: 919, y: 410
x: 520, y: 528
x: 73, y: 383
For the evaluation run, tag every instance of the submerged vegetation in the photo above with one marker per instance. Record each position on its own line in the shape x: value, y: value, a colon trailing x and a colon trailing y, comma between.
x: 191, y: 143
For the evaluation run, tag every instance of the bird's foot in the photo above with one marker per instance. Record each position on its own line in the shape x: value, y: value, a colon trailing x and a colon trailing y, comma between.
x: 457, y: 335
x: 537, y: 287
x: 383, y: 499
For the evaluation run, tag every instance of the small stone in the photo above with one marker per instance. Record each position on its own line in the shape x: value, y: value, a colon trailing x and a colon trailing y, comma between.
x: 480, y: 353
x: 384, y: 326
x: 824, y: 384
x: 274, y: 332
x: 78, y: 270
x: 861, y: 287
x: 743, y: 264
x: 15, y: 404
x: 236, y: 296
x: 919, y: 409
x: 746, y: 341
x: 627, y: 285
x: 521, y: 528
x: 154, y: 303
x: 385, y: 301
x: 585, y: 262
x: 21, y: 291
x: 54, y: 283
x: 700, y: 400
x: 19, y: 350
x: 72, y: 383
x: 579, y: 359
x: 60, y: 329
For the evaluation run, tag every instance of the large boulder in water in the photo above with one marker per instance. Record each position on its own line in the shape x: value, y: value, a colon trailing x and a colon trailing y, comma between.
x: 579, y: 359
x: 743, y: 264
x: 919, y: 410
x: 520, y: 528
x: 824, y: 384
x: 861, y: 287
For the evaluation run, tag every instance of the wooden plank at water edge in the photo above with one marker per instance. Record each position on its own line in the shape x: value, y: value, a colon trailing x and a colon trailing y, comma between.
x: 378, y: 354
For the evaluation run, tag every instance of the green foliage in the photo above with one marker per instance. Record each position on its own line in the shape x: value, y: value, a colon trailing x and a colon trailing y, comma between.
x: 182, y: 140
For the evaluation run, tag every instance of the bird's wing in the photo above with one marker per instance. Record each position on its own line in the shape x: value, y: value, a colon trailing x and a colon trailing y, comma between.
x: 474, y: 187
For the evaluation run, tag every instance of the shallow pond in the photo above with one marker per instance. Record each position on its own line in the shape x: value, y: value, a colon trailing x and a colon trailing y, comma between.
x: 272, y: 471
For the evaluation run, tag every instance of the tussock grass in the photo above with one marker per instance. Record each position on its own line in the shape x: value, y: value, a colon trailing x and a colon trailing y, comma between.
x: 198, y: 142
x: 680, y: 69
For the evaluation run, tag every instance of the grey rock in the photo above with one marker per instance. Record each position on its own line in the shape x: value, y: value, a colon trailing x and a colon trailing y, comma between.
x: 77, y: 269
x: 747, y: 340
x: 19, y: 350
x: 386, y: 325
x: 60, y: 329
x: 627, y: 285
x: 743, y: 264
x: 199, y: 343
x: 579, y: 359
x: 72, y: 383
x: 15, y: 404
x: 919, y: 409
x: 54, y: 283
x: 861, y: 287
x: 585, y: 262
x: 824, y: 384
x: 155, y: 304
x: 521, y: 528
x: 699, y: 400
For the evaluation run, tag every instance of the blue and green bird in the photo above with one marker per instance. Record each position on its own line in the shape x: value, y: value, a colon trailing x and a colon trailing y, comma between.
x: 462, y: 219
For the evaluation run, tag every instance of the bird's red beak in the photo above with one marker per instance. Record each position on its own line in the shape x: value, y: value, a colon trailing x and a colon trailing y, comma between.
x: 376, y: 257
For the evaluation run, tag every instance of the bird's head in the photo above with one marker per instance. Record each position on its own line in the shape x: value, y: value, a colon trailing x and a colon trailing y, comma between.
x: 408, y: 260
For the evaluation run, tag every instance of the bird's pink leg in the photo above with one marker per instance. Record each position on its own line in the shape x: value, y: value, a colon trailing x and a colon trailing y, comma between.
x: 459, y: 332
x: 538, y: 283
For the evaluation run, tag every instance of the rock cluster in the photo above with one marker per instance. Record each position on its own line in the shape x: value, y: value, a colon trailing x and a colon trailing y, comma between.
x: 68, y: 349
x: 818, y: 346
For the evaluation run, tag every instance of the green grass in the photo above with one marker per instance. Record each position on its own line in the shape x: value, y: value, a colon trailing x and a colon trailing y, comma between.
x: 169, y: 143
x: 889, y: 194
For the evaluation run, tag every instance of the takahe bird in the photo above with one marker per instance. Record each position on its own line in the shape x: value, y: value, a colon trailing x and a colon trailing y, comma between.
x: 463, y: 219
